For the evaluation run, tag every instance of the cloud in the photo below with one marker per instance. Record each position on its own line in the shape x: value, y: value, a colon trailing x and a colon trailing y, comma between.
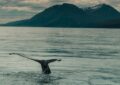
x: 35, y: 1
x: 17, y: 8
x: 46, y: 3
x: 114, y: 3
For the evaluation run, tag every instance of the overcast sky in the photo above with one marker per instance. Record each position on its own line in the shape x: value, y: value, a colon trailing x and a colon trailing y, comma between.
x: 11, y: 10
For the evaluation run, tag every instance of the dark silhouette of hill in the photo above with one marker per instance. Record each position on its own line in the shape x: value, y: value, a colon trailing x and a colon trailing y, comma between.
x: 69, y: 15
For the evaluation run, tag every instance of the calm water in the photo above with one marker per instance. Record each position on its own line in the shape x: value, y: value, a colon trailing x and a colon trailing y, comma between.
x: 89, y: 56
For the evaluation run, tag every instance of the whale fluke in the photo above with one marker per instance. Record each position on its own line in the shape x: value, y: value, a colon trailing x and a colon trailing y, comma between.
x: 44, y: 63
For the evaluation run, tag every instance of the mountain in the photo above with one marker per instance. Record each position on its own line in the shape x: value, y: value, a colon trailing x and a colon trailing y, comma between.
x: 69, y: 15
x: 103, y: 15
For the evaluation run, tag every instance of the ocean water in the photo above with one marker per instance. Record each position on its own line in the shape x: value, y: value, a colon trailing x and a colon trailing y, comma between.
x: 89, y: 56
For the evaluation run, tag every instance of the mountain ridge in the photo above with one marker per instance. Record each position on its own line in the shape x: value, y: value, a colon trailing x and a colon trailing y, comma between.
x: 69, y: 15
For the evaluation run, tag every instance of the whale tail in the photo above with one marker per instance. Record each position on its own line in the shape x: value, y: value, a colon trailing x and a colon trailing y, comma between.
x: 44, y: 63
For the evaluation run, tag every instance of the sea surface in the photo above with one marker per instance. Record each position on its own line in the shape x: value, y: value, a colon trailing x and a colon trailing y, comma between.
x: 89, y: 56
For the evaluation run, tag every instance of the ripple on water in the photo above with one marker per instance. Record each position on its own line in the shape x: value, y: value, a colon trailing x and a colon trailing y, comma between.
x: 23, y: 78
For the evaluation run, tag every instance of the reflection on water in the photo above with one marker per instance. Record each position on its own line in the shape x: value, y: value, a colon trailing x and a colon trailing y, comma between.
x: 89, y: 56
